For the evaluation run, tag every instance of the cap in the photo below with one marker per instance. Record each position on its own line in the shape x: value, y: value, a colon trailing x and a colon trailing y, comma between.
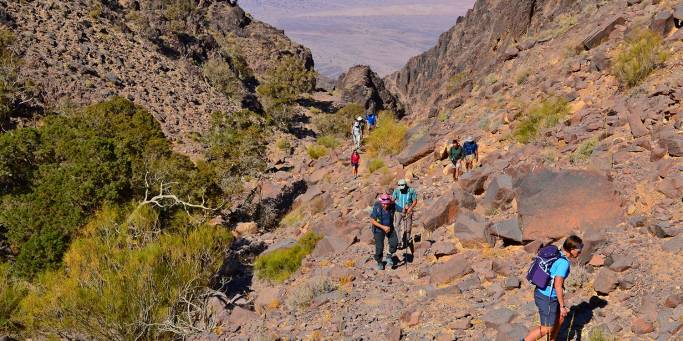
x: 402, y: 182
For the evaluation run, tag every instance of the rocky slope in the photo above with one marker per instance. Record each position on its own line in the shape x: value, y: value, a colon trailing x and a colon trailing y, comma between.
x: 152, y: 52
x: 610, y: 171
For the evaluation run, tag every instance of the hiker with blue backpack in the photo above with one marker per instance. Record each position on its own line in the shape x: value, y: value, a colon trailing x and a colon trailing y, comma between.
x: 382, y: 218
x: 371, y: 118
x: 548, y: 272
x: 405, y: 199
x: 471, y: 151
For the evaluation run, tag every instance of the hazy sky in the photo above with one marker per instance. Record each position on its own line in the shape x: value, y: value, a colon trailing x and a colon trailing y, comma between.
x: 343, y: 33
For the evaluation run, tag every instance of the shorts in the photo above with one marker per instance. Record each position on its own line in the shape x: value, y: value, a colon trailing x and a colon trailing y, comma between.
x: 457, y: 164
x: 548, y: 308
x: 355, y: 165
x: 469, y: 158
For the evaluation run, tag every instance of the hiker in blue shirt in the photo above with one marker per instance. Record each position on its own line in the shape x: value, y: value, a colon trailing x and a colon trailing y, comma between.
x: 371, y: 118
x: 550, y: 301
x: 405, y: 198
x: 471, y: 150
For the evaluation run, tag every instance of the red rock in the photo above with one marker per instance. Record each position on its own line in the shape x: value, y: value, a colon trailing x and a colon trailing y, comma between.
x: 241, y: 317
x: 605, y: 282
x: 455, y: 267
x: 392, y: 333
x: 641, y: 326
x: 673, y: 301
x: 440, y: 212
x: 597, y: 260
x: 601, y: 33
x: 411, y: 318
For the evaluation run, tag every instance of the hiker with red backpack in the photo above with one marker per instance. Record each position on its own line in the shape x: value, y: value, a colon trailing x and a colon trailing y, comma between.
x: 355, y: 161
x: 548, y: 272
x: 382, y: 217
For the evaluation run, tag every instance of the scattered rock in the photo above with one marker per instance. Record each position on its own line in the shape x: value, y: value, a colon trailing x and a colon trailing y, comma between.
x: 673, y: 300
x: 471, y: 228
x: 473, y: 181
x: 392, y: 332
x: 663, y: 23
x: 622, y: 263
x: 640, y: 326
x: 246, y: 229
x: 605, y: 282
x: 600, y: 34
x: 499, y: 192
x: 495, y: 318
x: 455, y: 267
x: 267, y: 298
x: 411, y: 317
x: 674, y: 245
x: 362, y: 86
x: 509, y: 229
x: 512, y: 283
x: 440, y: 212
x: 443, y: 248
x: 416, y: 150
x: 241, y: 317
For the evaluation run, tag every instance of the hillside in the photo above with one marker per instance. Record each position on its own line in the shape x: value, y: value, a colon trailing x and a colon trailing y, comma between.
x: 133, y: 218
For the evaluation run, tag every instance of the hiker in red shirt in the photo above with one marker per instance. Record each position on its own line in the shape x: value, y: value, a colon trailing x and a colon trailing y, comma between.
x: 355, y: 160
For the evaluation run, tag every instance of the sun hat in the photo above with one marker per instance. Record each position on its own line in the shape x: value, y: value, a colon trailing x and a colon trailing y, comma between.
x: 402, y: 182
x: 359, y: 118
x: 385, y: 199
x: 469, y: 139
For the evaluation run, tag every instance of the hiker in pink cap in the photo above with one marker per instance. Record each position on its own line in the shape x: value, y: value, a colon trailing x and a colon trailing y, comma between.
x: 383, y: 226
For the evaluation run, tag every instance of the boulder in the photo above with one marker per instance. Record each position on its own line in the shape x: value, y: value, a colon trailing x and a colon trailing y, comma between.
x: 331, y: 245
x: 622, y: 263
x: 392, y: 332
x: 411, y: 317
x: 513, y: 331
x: 473, y: 181
x: 554, y: 204
x: 638, y: 129
x: 605, y: 281
x: 499, y: 192
x: 673, y: 144
x: 640, y: 326
x: 455, y: 267
x: 249, y: 228
x: 673, y: 301
x: 241, y: 317
x: 470, y: 228
x: 267, y: 298
x: 674, y: 245
x: 443, y: 248
x: 512, y: 283
x: 439, y: 212
x: 508, y: 229
x: 285, y: 243
x: 416, y: 150
x: 362, y: 86
x: 496, y: 318
x: 600, y: 34
x: 663, y: 23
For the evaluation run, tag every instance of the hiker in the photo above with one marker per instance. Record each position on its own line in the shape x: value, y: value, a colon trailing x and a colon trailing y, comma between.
x: 471, y: 150
x: 357, y: 132
x: 405, y: 198
x: 355, y: 160
x: 549, y: 272
x: 383, y: 226
x: 456, y: 154
x: 372, y: 119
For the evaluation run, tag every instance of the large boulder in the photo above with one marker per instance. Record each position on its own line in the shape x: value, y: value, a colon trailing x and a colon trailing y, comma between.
x: 362, y: 86
x: 470, y: 228
x: 600, y: 34
x: 499, y: 192
x: 554, y: 204
x: 663, y: 23
x: 473, y: 181
x: 605, y: 282
x: 455, y: 267
x: 509, y: 229
x: 439, y: 212
x: 416, y: 150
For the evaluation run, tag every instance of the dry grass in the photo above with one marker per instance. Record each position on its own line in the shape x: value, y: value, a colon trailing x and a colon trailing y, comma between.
x: 545, y: 114
x: 638, y: 57
x: 584, y: 151
x: 389, y: 136
x: 301, y: 297
x: 316, y: 151
x: 375, y: 164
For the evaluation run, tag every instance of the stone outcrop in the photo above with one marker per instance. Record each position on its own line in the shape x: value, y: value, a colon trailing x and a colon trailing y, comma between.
x: 362, y: 86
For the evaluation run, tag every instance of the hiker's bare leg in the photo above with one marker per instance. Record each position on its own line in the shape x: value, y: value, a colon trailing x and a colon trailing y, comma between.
x: 537, y: 333
x: 556, y: 328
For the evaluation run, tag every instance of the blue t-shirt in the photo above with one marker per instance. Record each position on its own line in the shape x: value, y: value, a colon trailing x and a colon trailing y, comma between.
x: 470, y: 148
x: 372, y: 119
x: 559, y: 268
x: 404, y: 199
x: 382, y: 216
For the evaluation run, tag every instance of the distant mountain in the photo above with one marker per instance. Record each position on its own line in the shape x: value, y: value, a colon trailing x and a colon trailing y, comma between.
x: 342, y: 33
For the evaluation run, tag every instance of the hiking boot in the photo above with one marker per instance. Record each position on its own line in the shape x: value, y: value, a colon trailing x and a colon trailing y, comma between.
x: 390, y: 260
x: 380, y: 266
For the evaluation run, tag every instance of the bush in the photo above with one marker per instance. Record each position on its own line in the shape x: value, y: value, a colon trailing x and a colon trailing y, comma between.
x: 579, y: 279
x: 286, y: 81
x: 375, y: 164
x: 116, y: 287
x: 301, y: 297
x: 546, y: 114
x: 584, y: 151
x: 12, y: 291
x: 339, y: 123
x: 599, y: 334
x: 328, y: 141
x: 219, y: 74
x: 9, y: 66
x: 641, y: 54
x: 316, y: 151
x: 278, y: 265
x: 283, y: 144
x: 388, y: 137
x: 292, y: 219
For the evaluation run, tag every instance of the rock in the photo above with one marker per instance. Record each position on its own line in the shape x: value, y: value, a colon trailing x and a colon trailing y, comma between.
x: 416, y: 150
x: 455, y: 267
x: 285, y: 243
x: 600, y: 34
x: 638, y: 129
x: 241, y: 317
x: 246, y: 229
x: 622, y: 263
x: 362, y: 86
x: 470, y: 228
x: 465, y: 200
x: 534, y: 246
x: 674, y: 245
x: 440, y: 212
x: 495, y: 318
x: 342, y: 274
x: 512, y: 283
x: 443, y: 248
x: 678, y: 12
x: 640, y: 326
x: 511, y: 53
x: 597, y: 261
x: 673, y: 301
x: 331, y: 245
x: 267, y: 299
x: 411, y: 317
x: 499, y: 192
x: 633, y: 2
x: 555, y: 204
x: 509, y: 229
x: 470, y: 283
x: 605, y: 281
x: 462, y: 323
x: 392, y: 333
x: 673, y: 144
x: 473, y: 181
x: 662, y: 23
x: 513, y: 331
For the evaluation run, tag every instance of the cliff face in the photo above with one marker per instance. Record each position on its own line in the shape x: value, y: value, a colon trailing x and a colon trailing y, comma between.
x: 478, y: 41
x: 152, y: 52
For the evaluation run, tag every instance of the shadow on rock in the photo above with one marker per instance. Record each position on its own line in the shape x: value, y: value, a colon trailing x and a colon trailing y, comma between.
x: 579, y: 316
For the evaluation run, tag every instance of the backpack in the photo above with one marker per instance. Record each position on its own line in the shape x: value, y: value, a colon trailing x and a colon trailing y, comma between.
x: 469, y: 148
x: 539, y: 270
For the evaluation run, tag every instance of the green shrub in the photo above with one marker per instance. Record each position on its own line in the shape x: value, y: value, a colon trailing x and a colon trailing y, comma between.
x: 599, y: 334
x: 292, y: 219
x: 219, y: 74
x: 522, y: 76
x: 641, y: 54
x: 286, y: 81
x: 117, y: 287
x: 389, y: 136
x: 546, y: 114
x: 584, y: 151
x: 12, y: 291
x: 375, y: 164
x: 455, y: 82
x: 339, y: 123
x: 9, y: 64
x: 283, y: 144
x: 316, y: 151
x: 328, y: 141
x: 279, y: 264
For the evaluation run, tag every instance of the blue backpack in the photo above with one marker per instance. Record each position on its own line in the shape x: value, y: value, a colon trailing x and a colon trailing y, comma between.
x: 469, y: 148
x: 539, y: 270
